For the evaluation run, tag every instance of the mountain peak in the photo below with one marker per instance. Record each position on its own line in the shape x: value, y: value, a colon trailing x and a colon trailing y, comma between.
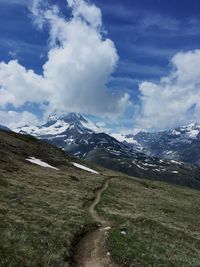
x: 72, y: 116
x: 62, y: 124
x: 74, y: 120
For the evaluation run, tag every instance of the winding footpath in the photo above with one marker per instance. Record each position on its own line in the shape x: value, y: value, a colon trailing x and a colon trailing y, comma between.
x: 91, y: 250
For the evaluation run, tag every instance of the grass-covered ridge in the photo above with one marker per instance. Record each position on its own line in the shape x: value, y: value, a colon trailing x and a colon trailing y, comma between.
x: 155, y: 224
x: 41, y: 210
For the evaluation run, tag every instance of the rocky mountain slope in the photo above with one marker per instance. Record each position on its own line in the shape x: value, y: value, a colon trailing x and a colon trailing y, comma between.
x: 182, y: 143
x: 75, y: 134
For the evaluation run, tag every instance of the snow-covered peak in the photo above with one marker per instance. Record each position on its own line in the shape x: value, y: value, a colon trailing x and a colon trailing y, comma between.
x: 127, y: 139
x: 55, y: 116
x: 74, y: 120
x: 190, y: 126
x: 62, y: 124
x: 124, y: 138
x: 190, y: 130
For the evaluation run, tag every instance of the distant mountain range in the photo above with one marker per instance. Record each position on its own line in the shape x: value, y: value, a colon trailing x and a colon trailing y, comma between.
x: 75, y: 134
x: 180, y: 144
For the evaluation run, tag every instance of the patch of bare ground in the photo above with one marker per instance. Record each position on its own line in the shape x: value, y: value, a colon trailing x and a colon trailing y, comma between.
x: 92, y: 251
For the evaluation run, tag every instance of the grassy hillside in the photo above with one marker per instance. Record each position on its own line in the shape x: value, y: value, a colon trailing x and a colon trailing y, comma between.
x: 175, y: 173
x: 155, y: 224
x: 41, y: 209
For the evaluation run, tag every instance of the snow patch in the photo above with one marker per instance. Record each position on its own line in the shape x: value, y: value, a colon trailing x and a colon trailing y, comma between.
x: 40, y: 163
x: 91, y: 126
x: 176, y: 162
x: 174, y: 132
x: 125, y: 139
x: 140, y: 167
x: 174, y: 171
x: 57, y: 128
x: 169, y: 152
x: 84, y: 168
x: 193, y: 133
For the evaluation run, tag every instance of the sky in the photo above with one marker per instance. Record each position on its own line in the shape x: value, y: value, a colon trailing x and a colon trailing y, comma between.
x: 126, y: 64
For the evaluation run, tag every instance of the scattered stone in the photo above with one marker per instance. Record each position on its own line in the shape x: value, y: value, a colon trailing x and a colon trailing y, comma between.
x: 107, y: 228
x: 123, y: 233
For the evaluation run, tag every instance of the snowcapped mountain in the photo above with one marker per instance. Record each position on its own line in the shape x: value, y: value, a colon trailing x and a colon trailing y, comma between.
x: 63, y: 125
x: 76, y: 134
x: 129, y: 140
x: 189, y: 132
x: 181, y: 143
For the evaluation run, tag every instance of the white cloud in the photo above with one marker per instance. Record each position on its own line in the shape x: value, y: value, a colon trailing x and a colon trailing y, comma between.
x: 13, y: 119
x: 18, y: 85
x: 80, y: 62
x: 88, y: 12
x: 176, y: 99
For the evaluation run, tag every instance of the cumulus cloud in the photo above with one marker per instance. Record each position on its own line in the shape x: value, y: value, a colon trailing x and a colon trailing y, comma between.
x: 80, y: 62
x: 88, y: 12
x: 18, y: 85
x: 13, y: 119
x: 175, y: 100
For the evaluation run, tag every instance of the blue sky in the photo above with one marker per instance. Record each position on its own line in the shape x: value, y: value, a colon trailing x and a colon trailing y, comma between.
x: 147, y: 35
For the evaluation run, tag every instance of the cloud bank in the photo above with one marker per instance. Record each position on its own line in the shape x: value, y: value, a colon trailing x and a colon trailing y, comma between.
x: 15, y: 119
x: 80, y: 63
x: 175, y: 100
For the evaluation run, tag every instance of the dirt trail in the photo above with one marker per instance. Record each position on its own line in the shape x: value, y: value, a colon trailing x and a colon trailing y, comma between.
x: 91, y: 250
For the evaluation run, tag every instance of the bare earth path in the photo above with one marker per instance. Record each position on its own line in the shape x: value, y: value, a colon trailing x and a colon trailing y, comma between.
x: 91, y: 250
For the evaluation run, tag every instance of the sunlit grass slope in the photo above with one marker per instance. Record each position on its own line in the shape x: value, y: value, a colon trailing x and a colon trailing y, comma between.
x: 155, y: 224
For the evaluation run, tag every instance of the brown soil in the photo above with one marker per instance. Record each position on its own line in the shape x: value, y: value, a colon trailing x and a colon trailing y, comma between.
x: 91, y: 250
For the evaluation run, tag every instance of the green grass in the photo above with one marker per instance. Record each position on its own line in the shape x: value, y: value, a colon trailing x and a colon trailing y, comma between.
x: 161, y: 223
x: 41, y: 210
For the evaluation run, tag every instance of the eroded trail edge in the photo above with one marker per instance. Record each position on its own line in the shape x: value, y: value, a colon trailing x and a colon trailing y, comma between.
x: 91, y: 251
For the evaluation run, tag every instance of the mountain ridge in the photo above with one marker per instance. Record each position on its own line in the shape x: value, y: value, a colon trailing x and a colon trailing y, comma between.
x: 75, y: 134
x: 5, y: 128
x: 181, y: 143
